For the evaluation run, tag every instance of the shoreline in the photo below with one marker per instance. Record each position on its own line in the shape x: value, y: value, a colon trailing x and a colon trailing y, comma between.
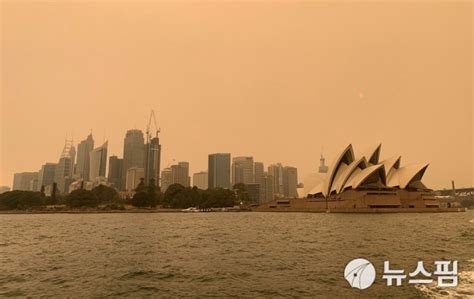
x: 258, y: 210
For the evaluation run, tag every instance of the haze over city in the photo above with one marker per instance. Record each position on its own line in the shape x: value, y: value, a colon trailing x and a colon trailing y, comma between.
x: 252, y: 86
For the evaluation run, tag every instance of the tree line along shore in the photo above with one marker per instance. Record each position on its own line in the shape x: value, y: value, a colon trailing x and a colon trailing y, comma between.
x: 146, y: 197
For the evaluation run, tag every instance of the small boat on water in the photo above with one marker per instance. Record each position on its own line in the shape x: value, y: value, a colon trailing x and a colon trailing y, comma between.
x: 191, y: 210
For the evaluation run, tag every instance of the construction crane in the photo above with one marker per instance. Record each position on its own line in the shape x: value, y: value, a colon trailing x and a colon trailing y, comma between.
x: 149, y: 148
x: 152, y: 116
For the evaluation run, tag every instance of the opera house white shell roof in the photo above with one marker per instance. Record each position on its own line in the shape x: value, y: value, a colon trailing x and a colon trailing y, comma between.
x: 366, y: 171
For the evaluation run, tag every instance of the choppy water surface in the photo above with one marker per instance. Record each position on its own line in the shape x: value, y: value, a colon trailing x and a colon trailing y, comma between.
x: 225, y: 254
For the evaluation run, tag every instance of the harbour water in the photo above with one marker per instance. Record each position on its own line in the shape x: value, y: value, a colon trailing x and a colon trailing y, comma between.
x: 226, y: 254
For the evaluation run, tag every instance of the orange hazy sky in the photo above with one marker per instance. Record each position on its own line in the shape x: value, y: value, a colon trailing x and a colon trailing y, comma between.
x: 275, y: 80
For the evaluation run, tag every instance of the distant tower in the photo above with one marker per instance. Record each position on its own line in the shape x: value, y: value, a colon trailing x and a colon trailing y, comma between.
x: 152, y: 151
x: 64, y: 169
x: 322, y: 166
x: 98, y: 162
x: 115, y: 172
x: 242, y: 170
x: 276, y: 172
x: 133, y: 153
x: 219, y: 171
x: 83, y: 159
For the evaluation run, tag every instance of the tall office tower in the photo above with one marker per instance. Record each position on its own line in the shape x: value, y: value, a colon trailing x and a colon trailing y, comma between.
x: 259, y: 171
x: 115, y: 172
x: 46, y: 175
x: 242, y: 170
x: 180, y: 174
x: 290, y: 182
x: 276, y: 171
x: 22, y: 180
x: 266, y: 189
x: 200, y: 180
x: 133, y: 152
x: 82, y: 164
x: 64, y: 169
x: 219, y: 171
x: 134, y: 175
x: 152, y: 160
x: 322, y: 166
x: 98, y: 162
x: 166, y: 179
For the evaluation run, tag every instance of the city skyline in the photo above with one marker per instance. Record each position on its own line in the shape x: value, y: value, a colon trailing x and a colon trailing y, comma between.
x: 280, y: 92
x: 192, y: 170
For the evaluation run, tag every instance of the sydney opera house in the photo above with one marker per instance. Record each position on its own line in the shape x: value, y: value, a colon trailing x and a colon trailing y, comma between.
x: 365, y: 183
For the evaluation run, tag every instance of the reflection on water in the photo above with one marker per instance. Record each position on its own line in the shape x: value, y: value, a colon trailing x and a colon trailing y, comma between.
x: 225, y: 254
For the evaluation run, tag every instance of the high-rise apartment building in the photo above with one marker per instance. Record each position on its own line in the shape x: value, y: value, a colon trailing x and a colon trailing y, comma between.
x: 242, y: 170
x: 200, y: 180
x: 83, y: 160
x: 115, y: 172
x: 290, y: 182
x: 133, y: 152
x: 219, y: 171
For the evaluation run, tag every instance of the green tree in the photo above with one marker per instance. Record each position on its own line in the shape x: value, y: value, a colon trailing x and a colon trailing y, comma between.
x: 140, y: 199
x: 82, y: 198
x: 106, y: 194
x: 20, y: 200
x: 141, y: 186
x: 172, y: 192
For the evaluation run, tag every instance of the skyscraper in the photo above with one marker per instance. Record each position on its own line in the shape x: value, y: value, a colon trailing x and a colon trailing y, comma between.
x: 242, y: 170
x: 180, y: 174
x: 83, y: 161
x: 266, y: 189
x: 253, y: 191
x: 276, y: 171
x: 46, y: 175
x: 115, y: 172
x: 23, y: 181
x: 219, y: 171
x: 98, y: 162
x: 259, y: 171
x: 200, y: 180
x: 152, y: 160
x: 133, y: 152
x: 166, y: 179
x: 64, y: 169
x: 290, y: 182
